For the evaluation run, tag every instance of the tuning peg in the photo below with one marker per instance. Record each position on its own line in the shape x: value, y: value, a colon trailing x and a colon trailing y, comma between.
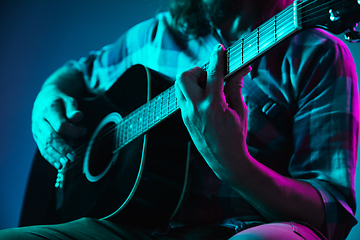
x: 352, y: 35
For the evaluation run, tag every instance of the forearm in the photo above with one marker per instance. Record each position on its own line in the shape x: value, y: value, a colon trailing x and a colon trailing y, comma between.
x: 277, y: 197
x: 56, y: 115
x: 219, y: 133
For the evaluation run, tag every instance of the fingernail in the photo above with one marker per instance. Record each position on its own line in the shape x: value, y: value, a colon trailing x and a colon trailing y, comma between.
x: 63, y: 161
x: 57, y: 165
x: 70, y: 156
x: 75, y: 116
x: 220, y: 46
x: 78, y: 113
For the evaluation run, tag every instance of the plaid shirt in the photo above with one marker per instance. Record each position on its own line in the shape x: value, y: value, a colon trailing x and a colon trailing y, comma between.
x: 311, y: 76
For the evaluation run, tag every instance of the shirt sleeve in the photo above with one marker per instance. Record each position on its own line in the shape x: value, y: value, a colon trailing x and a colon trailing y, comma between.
x: 325, y: 127
x: 102, y: 68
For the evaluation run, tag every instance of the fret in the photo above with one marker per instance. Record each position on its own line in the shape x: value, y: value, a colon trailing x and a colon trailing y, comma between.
x: 169, y: 99
x: 176, y: 102
x: 244, y: 51
x: 117, y: 134
x: 227, y: 61
x: 140, y: 114
x: 297, y: 24
x: 162, y: 105
x: 266, y: 36
x: 130, y: 128
x: 133, y: 127
x: 165, y: 105
x: 158, y: 103
x: 126, y: 131
x: 142, y: 119
x: 135, y: 123
x: 173, y: 106
x: 151, y: 118
x: 285, y: 22
x: 250, y: 47
x: 123, y: 134
x: 120, y: 134
x: 257, y: 40
x: 235, y: 56
x: 146, y: 116
x: 275, y: 32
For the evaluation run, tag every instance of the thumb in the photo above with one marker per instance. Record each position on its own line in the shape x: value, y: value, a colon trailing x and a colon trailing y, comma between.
x: 235, y: 82
x: 215, y: 73
x: 233, y: 89
x: 71, y: 110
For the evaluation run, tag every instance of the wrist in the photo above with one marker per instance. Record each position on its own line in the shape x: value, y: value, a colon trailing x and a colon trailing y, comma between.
x: 237, y: 166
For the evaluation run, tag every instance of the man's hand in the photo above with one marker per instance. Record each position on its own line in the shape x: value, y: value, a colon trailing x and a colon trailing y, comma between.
x: 216, y: 117
x: 219, y: 133
x: 53, y: 119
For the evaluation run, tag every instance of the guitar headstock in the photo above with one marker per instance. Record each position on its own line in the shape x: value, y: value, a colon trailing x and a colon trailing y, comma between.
x: 336, y: 16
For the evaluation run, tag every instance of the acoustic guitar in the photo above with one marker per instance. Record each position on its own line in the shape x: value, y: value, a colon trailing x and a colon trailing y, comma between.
x: 134, y: 169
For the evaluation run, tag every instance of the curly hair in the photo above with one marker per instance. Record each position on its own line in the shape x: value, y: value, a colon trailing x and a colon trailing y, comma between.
x: 189, y: 17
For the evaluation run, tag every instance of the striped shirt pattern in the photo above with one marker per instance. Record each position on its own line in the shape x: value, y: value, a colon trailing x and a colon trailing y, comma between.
x: 315, y: 139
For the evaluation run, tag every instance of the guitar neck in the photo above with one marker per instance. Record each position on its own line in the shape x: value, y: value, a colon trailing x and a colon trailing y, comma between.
x: 239, y: 55
x: 262, y: 39
x: 146, y: 117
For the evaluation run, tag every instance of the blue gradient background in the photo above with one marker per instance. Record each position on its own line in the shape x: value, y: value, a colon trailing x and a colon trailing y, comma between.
x: 36, y: 37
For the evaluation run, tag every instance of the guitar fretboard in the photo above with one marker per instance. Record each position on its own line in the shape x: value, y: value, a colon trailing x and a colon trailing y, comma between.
x: 239, y: 55
x: 146, y: 117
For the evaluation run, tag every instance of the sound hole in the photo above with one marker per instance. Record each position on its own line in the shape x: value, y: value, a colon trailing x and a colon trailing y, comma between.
x: 99, y: 155
x: 102, y: 150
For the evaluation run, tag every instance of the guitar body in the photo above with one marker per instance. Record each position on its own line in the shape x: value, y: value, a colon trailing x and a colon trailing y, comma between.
x: 145, y: 178
x: 142, y: 180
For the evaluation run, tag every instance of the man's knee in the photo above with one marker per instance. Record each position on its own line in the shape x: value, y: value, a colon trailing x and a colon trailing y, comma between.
x: 19, y: 233
x: 277, y: 231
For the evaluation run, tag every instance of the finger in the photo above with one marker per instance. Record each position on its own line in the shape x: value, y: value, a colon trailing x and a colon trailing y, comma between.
x: 179, y: 95
x: 75, y: 116
x: 233, y: 92
x: 233, y: 87
x: 236, y: 80
x: 55, y: 116
x: 215, y: 72
x: 71, y: 109
x: 52, y: 147
x: 187, y: 84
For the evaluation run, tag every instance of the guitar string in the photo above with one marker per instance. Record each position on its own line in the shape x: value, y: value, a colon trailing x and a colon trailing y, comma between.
x: 237, y: 61
x: 81, y: 150
x: 237, y: 47
x: 252, y: 45
x: 285, y: 13
x: 307, y: 3
x: 320, y: 9
x: 234, y: 57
